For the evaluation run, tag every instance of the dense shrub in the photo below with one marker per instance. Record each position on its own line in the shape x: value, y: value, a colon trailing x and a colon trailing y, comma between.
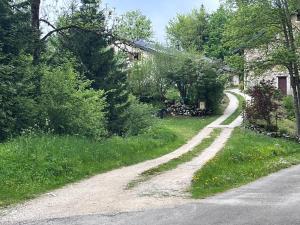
x: 209, y: 87
x: 140, y: 117
x: 174, y: 76
x: 147, y: 81
x: 97, y: 59
x: 288, y: 104
x: 69, y: 105
x: 173, y: 95
x: 264, y: 104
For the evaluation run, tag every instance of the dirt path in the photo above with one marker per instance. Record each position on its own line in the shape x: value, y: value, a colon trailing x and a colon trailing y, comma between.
x: 105, y: 193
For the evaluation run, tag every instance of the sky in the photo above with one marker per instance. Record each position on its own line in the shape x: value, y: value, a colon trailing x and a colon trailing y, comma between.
x: 160, y: 12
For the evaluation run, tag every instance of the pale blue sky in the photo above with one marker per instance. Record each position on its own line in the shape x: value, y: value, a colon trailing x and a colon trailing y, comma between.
x: 161, y: 11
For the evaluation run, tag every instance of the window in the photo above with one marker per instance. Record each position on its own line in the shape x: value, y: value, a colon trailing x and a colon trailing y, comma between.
x: 137, y: 56
x: 298, y: 15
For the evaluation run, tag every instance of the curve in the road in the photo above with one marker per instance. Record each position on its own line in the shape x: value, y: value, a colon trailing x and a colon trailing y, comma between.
x: 105, y: 193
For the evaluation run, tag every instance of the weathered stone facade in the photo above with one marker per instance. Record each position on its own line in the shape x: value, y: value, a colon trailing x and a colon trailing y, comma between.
x: 278, y: 74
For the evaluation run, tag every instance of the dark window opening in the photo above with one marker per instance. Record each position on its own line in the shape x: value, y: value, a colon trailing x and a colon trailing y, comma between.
x: 298, y: 15
x: 137, y: 56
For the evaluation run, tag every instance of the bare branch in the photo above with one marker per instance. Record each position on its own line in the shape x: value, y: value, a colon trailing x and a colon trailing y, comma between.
x: 118, y: 42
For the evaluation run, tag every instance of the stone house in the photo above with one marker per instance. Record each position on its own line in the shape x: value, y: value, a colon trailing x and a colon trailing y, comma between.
x: 278, y: 74
x: 136, y: 50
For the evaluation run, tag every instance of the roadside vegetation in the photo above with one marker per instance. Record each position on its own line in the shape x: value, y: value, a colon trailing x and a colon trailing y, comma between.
x: 35, y: 163
x: 247, y: 157
x: 75, y: 102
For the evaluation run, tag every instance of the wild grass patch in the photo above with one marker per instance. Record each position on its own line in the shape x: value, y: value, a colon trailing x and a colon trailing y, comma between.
x: 247, y: 157
x: 33, y: 164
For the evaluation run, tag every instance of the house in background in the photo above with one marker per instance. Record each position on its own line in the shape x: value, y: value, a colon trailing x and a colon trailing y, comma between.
x: 139, y: 50
x: 136, y: 50
x: 278, y: 74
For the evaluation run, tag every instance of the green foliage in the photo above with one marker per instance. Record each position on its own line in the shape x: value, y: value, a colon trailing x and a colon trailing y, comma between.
x: 17, y: 75
x: 189, y: 32
x: 33, y: 164
x: 18, y: 106
x: 98, y: 62
x: 147, y: 80
x: 173, y: 95
x: 140, y: 117
x: 69, y: 105
x: 195, y: 78
x: 246, y: 157
x: 236, y: 62
x: 15, y: 30
x: 217, y: 21
x: 252, y: 25
x: 133, y: 26
x: 288, y: 104
x: 257, y: 25
x: 201, y: 32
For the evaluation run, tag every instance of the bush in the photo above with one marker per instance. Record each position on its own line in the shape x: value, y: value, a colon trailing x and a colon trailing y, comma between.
x: 288, y: 104
x: 70, y: 105
x: 178, y: 76
x: 173, y: 95
x: 147, y: 81
x: 263, y: 105
x: 140, y: 117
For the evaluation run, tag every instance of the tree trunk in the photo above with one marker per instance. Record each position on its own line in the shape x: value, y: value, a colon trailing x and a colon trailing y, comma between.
x: 35, y: 24
x: 293, y: 66
x: 296, y: 103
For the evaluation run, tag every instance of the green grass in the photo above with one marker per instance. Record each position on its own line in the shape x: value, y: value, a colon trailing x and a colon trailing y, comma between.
x: 237, y: 112
x: 32, y: 165
x: 287, y: 126
x: 172, y: 164
x: 247, y: 157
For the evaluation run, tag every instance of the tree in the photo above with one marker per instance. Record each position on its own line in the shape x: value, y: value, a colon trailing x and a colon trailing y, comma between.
x: 147, y: 82
x: 190, y: 75
x: 133, y: 26
x: 214, y: 47
x: 97, y: 60
x: 18, y: 106
x: 35, y: 26
x: 267, y: 25
x: 189, y: 32
x: 197, y: 81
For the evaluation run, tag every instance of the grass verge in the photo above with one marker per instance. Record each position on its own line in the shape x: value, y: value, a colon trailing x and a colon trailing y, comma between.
x: 31, y: 165
x: 247, y: 157
x: 237, y: 112
x: 172, y: 164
